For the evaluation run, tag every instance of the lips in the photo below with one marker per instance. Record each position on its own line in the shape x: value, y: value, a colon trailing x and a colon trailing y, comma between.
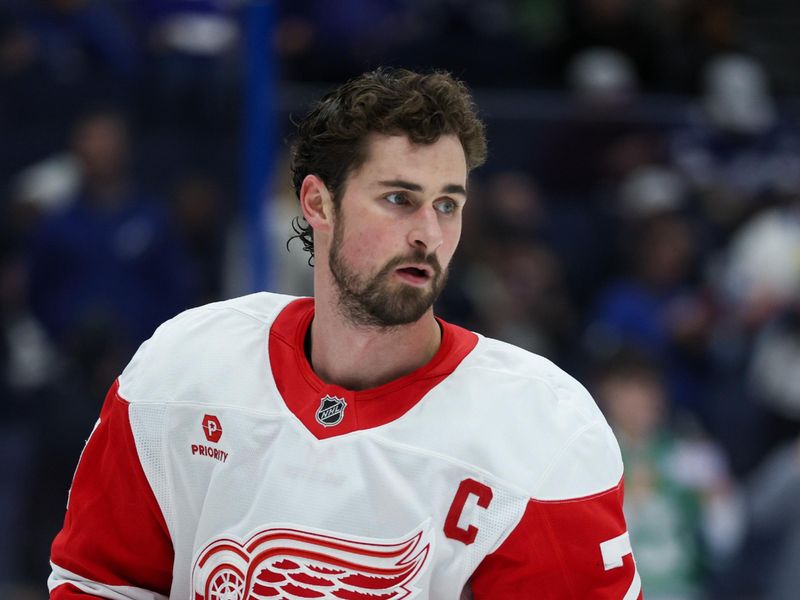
x: 417, y: 274
x: 418, y: 271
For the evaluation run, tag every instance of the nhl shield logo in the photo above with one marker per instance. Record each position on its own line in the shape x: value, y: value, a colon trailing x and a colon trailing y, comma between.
x: 330, y: 411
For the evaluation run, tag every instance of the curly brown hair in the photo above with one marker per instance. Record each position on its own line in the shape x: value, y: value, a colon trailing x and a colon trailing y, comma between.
x: 330, y: 141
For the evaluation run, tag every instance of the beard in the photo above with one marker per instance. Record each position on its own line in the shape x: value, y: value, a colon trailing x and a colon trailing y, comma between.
x: 378, y: 301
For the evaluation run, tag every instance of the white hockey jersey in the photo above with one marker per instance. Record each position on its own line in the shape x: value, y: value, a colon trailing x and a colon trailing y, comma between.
x: 223, y: 468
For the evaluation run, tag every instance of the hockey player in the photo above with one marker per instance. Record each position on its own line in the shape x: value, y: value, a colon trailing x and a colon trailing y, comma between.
x: 351, y: 445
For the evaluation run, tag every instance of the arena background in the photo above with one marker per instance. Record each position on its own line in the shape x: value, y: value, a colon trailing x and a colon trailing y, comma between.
x: 638, y: 222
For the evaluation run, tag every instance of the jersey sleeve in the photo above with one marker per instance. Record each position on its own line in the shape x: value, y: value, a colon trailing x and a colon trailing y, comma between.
x: 115, y: 542
x: 574, y: 549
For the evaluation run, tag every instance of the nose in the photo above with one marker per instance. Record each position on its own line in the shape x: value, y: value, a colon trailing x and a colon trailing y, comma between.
x: 426, y: 232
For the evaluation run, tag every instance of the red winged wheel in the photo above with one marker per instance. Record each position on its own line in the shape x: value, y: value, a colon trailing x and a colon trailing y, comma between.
x: 290, y: 564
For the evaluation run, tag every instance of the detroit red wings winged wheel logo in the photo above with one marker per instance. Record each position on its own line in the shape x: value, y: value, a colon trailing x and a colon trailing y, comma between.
x: 290, y: 564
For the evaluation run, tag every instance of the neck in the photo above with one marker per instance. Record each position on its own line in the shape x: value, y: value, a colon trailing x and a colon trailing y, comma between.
x: 359, y: 358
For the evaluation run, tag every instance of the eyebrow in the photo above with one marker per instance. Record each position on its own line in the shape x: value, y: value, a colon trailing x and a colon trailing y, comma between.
x: 452, y: 188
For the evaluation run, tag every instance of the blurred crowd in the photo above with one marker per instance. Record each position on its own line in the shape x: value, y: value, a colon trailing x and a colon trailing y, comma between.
x: 638, y: 222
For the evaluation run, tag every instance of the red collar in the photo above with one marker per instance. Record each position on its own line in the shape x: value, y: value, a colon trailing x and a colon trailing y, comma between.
x: 303, y: 391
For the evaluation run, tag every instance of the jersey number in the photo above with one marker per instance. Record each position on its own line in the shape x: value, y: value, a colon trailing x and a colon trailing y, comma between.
x: 613, y: 550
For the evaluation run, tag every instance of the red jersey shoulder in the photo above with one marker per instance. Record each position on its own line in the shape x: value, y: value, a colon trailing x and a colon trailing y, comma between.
x: 88, y: 553
x: 574, y: 549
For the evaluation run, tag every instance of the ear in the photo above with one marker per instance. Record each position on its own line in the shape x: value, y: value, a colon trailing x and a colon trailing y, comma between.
x: 316, y: 203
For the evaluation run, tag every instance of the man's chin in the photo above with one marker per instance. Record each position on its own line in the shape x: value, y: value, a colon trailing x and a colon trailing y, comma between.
x: 391, y: 300
x: 406, y: 306
x: 397, y: 305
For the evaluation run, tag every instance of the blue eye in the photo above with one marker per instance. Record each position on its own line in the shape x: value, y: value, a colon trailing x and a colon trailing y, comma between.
x: 397, y: 198
x: 446, y: 207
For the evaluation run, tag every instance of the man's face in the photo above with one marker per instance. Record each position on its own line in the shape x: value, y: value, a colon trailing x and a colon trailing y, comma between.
x: 396, y: 229
x: 102, y: 146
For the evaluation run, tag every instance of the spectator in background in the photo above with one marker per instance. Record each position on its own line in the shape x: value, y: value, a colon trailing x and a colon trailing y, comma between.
x: 775, y: 373
x: 683, y: 510
x: 666, y: 41
x: 190, y: 101
x: 515, y: 282
x: 612, y: 24
x: 686, y: 35
x: 762, y: 408
x: 540, y: 27
x: 44, y: 187
x: 581, y: 159
x: 586, y: 154
x: 327, y: 41
x: 759, y: 270
x: 82, y: 39
x: 194, y: 62
x: 772, y: 554
x: 530, y: 305
x: 108, y: 268
x: 44, y: 417
x: 76, y: 47
x: 736, y: 152
x: 54, y: 54
x: 482, y: 42
x: 201, y: 218
x: 658, y: 307
x: 514, y: 208
x: 24, y: 363
x: 23, y: 87
x: 756, y: 347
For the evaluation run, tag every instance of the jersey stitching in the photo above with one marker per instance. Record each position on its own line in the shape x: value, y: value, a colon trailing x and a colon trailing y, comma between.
x: 507, y: 533
x: 221, y: 308
x: 157, y: 398
x: 612, y: 490
x: 237, y: 310
x: 547, y: 471
x: 525, y: 377
x: 515, y: 489
x: 163, y: 457
x: 167, y: 471
x: 172, y: 402
x: 277, y: 415
x: 386, y: 441
x: 217, y: 405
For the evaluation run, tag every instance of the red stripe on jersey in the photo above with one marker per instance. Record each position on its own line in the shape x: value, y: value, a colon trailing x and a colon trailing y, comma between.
x: 554, y: 553
x: 114, y: 532
x: 302, y: 390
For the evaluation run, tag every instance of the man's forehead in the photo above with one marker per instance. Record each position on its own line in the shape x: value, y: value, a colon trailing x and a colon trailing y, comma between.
x: 396, y: 158
x: 379, y: 143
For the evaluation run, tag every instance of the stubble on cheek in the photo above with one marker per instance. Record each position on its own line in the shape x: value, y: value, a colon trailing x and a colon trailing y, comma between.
x: 380, y: 300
